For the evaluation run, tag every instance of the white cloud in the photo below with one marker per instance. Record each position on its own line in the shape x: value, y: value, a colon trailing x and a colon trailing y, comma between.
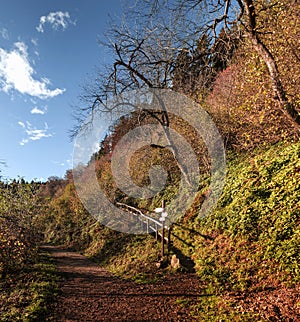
x: 34, y: 41
x: 34, y: 134
x: 24, y: 141
x: 36, y: 110
x: 67, y: 163
x: 17, y: 73
x: 57, y: 20
x: 4, y: 33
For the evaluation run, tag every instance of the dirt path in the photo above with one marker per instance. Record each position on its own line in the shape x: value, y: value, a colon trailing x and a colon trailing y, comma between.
x: 90, y: 293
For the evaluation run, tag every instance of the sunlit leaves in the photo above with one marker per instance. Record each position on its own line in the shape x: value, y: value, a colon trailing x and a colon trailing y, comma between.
x: 20, y: 207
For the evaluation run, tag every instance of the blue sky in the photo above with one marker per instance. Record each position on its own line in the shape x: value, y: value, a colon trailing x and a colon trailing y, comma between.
x: 48, y: 50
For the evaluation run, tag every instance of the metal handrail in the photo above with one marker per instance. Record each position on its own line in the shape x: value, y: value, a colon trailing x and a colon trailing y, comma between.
x: 141, y: 214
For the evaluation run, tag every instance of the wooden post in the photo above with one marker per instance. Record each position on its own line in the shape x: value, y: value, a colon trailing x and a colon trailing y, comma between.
x: 163, y: 239
x: 156, y: 232
x: 169, y: 238
x: 163, y: 232
x: 147, y: 223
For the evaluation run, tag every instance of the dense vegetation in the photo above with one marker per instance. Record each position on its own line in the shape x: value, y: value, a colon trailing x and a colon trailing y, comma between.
x: 247, y: 250
x: 28, y: 281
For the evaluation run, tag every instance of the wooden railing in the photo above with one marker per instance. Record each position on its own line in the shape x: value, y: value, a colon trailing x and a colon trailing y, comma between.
x: 152, y: 225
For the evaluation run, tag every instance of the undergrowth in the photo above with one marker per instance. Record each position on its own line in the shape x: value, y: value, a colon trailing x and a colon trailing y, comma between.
x: 251, y: 241
x: 255, y: 227
x: 26, y: 295
x: 128, y: 256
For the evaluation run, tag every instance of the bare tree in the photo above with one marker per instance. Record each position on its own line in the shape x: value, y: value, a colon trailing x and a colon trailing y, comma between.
x: 147, y: 48
x: 143, y: 58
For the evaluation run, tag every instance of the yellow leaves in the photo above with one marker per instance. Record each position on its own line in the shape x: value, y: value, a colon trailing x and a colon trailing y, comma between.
x: 261, y: 117
x: 19, y: 243
x: 13, y: 249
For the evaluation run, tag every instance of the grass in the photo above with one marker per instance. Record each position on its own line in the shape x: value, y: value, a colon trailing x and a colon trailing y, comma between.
x: 128, y: 256
x: 26, y: 295
x: 216, y: 309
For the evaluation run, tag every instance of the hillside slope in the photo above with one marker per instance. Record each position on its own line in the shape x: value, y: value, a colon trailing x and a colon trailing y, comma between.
x: 252, y: 242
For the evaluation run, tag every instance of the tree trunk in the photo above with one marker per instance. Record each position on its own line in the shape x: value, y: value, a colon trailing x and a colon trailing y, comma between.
x: 269, y: 60
x: 163, y: 120
x: 279, y: 92
x: 175, y: 153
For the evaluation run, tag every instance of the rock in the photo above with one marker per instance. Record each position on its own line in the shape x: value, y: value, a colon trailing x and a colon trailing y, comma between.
x: 175, y: 262
x: 162, y: 263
